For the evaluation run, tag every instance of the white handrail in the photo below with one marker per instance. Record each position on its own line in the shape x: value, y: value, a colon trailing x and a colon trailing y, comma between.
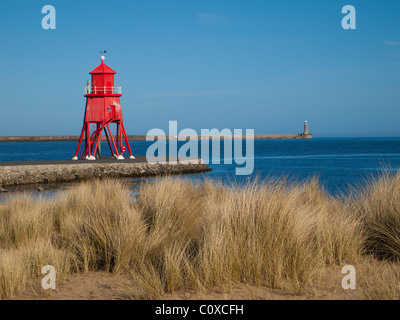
x: 103, y: 90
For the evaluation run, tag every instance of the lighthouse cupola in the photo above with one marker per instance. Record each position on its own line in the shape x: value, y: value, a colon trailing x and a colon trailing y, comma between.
x: 103, y: 79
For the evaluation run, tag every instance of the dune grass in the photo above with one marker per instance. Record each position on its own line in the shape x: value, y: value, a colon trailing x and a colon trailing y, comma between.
x: 176, y: 235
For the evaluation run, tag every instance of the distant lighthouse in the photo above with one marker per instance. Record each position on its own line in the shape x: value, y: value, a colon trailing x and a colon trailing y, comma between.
x: 306, y: 128
x: 103, y: 108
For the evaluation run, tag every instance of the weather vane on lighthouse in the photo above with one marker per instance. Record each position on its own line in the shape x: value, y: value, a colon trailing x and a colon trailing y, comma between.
x: 103, y: 108
x: 102, y: 57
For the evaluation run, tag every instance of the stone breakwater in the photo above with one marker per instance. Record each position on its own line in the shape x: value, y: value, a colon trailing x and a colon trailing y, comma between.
x: 143, y: 137
x: 70, y: 171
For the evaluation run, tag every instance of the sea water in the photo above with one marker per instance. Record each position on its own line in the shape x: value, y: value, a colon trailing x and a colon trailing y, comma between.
x: 337, y: 162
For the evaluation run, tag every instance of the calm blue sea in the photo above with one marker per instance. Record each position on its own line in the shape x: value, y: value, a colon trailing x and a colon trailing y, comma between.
x: 339, y: 162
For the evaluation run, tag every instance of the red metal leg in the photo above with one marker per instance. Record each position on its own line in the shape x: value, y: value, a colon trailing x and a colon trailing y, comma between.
x: 108, y: 140
x: 113, y: 142
x: 97, y: 139
x: 126, y: 139
x: 120, y: 137
x: 80, y: 141
x: 88, y: 140
x: 85, y: 152
x: 117, y: 137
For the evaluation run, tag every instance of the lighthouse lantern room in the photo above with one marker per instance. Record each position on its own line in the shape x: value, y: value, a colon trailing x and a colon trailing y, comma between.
x: 103, y: 108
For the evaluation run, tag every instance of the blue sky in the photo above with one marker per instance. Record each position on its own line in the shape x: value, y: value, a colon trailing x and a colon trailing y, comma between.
x: 238, y: 64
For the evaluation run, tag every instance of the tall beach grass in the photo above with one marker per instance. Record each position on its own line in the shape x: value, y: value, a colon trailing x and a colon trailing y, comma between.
x: 177, y: 235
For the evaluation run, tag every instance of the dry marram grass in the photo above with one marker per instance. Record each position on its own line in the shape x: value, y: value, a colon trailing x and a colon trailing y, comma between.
x: 177, y: 235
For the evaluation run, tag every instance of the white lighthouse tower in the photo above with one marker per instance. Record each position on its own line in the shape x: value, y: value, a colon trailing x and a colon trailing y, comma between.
x: 306, y: 128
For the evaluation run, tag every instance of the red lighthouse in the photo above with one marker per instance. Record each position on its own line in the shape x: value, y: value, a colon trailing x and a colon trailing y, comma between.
x: 103, y: 108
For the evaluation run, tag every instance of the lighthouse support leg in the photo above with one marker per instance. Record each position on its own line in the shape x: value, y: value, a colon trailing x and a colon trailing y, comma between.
x: 126, y: 140
x: 86, y: 151
x: 97, y: 139
x: 109, y: 143
x: 117, y: 138
x: 113, y: 142
x: 80, y: 142
x: 98, y: 149
x: 120, y: 138
x: 88, y: 141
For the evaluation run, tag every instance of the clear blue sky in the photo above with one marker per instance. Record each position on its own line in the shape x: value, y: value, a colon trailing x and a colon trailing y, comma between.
x: 257, y: 64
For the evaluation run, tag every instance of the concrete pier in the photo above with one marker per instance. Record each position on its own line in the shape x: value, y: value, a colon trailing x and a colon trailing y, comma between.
x: 44, y: 172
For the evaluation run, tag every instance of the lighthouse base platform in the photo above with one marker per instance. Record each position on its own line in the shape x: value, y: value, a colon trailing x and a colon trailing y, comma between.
x: 51, y: 172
